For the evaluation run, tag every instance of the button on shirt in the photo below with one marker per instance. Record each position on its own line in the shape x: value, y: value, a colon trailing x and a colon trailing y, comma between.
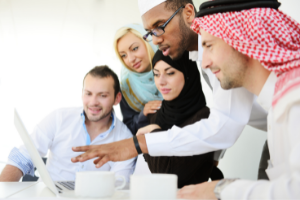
x: 232, y: 110
x: 284, y: 147
x: 59, y: 132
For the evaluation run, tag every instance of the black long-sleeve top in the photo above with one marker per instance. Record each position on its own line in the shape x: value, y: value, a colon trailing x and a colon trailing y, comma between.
x: 133, y: 119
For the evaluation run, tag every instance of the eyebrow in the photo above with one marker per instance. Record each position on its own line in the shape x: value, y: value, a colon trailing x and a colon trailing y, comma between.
x: 129, y: 47
x: 165, y: 69
x: 104, y: 92
x: 156, y: 23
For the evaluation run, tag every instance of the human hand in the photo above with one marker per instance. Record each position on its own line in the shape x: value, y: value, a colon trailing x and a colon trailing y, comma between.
x: 147, y: 129
x: 200, y: 191
x: 116, y: 151
x: 151, y: 107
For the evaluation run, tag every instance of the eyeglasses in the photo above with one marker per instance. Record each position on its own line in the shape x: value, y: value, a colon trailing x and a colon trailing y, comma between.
x: 158, y: 31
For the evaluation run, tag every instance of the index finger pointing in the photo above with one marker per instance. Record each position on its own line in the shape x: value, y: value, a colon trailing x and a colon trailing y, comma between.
x: 81, y: 149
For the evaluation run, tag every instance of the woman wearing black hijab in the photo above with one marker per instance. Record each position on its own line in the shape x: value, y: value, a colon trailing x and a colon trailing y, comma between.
x: 184, y: 104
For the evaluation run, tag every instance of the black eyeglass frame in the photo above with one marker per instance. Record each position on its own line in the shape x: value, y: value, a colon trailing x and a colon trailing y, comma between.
x: 162, y: 27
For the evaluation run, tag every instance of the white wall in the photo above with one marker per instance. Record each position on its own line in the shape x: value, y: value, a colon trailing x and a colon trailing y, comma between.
x: 47, y: 46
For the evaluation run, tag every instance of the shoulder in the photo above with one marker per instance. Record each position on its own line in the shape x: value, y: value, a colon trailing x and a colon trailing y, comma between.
x: 203, y: 113
x: 121, y: 130
x: 63, y: 114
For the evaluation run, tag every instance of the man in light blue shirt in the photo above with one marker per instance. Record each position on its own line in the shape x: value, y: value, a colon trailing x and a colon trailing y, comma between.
x: 93, y: 124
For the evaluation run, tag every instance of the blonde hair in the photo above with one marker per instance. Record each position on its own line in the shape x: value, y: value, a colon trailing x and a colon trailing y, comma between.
x: 121, y: 33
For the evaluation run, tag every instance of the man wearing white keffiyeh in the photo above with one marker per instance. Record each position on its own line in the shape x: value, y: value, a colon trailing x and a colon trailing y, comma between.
x: 259, y: 49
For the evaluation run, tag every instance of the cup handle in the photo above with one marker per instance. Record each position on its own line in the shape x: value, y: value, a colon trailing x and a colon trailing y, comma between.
x: 123, y: 184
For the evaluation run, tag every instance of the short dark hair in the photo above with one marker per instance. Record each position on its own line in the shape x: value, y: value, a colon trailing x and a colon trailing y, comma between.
x: 104, y: 71
x: 176, y: 4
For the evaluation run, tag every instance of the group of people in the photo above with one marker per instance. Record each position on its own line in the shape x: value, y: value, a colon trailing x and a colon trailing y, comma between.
x: 250, y: 56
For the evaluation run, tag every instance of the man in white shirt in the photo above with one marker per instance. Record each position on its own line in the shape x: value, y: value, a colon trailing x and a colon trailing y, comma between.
x: 93, y: 124
x: 256, y: 47
x: 169, y: 23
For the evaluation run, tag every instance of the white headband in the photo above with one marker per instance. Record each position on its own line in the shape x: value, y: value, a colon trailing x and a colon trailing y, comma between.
x: 146, y: 5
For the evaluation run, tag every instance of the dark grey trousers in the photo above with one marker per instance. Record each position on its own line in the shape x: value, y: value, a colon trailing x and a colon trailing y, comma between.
x: 263, y: 164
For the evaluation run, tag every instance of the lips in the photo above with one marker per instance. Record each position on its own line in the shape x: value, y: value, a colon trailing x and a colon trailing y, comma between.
x: 215, y: 72
x: 165, y: 91
x: 137, y: 65
x: 95, y: 111
x: 165, y: 50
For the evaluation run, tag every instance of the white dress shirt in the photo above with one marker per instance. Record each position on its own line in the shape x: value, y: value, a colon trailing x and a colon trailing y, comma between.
x: 65, y: 128
x: 284, y: 147
x: 231, y: 111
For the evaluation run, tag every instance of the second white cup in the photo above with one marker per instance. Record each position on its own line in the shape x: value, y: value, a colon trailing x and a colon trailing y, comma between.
x: 153, y: 186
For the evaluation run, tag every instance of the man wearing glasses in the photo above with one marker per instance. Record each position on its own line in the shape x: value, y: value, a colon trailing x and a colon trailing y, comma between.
x: 168, y: 25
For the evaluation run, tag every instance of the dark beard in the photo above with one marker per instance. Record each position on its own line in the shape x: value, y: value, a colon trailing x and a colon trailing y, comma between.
x: 184, y: 38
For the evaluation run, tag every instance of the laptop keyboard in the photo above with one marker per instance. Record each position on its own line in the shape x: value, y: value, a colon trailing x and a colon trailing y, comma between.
x: 70, y: 185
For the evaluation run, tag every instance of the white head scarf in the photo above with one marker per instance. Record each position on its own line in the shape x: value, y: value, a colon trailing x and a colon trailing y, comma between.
x: 146, y: 5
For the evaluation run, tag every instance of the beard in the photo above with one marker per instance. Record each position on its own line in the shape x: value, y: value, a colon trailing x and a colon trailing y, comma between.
x: 234, y: 76
x: 184, y: 38
x: 99, y: 117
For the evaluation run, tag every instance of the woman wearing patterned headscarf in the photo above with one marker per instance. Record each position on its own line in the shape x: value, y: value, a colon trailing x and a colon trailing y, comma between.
x: 140, y: 96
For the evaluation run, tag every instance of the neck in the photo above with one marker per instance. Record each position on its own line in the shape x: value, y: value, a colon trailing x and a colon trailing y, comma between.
x: 256, y: 77
x: 96, y: 128
x: 193, y: 46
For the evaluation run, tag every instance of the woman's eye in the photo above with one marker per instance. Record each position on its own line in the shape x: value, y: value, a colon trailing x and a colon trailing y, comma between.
x: 135, y: 48
x: 171, y: 73
x: 123, y: 56
x: 156, y: 75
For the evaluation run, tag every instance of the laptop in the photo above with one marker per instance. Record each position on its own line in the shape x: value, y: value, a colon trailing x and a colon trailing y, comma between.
x: 59, y: 188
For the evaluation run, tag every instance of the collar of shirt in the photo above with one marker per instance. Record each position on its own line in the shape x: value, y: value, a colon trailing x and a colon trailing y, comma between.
x: 267, y: 92
x: 102, y: 135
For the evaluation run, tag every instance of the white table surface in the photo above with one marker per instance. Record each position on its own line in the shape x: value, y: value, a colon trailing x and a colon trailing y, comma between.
x: 10, y: 188
x: 38, y: 190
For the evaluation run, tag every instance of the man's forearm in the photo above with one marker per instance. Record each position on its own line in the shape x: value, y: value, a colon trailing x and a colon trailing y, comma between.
x: 10, y: 173
x: 142, y: 143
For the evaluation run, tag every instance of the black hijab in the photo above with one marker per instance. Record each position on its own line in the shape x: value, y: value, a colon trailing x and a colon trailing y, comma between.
x: 191, y: 98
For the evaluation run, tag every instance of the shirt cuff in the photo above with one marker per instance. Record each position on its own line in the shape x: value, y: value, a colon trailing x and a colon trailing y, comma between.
x: 158, y: 143
x: 17, y: 159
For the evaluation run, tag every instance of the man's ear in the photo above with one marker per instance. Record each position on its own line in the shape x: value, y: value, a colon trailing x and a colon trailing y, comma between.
x: 118, y: 99
x: 189, y: 13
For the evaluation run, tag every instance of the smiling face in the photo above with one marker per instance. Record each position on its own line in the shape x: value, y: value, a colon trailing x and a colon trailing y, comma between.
x: 98, y: 97
x: 178, y: 36
x: 168, y: 80
x: 134, y: 53
x: 227, y: 64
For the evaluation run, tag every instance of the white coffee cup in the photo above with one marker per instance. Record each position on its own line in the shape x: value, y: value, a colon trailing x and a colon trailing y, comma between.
x: 97, y: 184
x: 153, y: 186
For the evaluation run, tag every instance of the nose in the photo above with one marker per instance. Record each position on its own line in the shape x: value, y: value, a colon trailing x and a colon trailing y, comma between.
x: 131, y: 57
x: 206, y: 61
x: 94, y: 101
x: 157, y: 40
x: 162, y: 80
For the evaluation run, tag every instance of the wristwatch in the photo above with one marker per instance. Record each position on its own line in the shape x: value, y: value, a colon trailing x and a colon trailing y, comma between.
x: 221, y: 185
